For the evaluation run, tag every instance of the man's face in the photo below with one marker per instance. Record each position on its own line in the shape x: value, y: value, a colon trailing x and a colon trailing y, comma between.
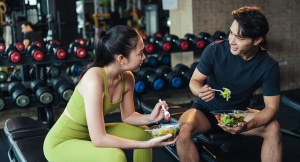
x: 24, y: 28
x: 239, y: 45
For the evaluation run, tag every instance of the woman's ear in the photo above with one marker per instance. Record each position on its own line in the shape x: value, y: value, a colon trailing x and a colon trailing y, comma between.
x: 121, y: 59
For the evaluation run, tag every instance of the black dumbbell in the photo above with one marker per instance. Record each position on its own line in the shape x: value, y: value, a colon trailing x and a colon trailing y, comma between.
x: 3, y: 76
x: 16, y: 75
x: 154, y: 81
x: 173, y: 79
x: 62, y: 86
x: 140, y: 86
x: 19, y: 93
x: 160, y: 43
x: 205, y: 36
x: 54, y: 48
x: 41, y: 90
x: 217, y: 36
x: 13, y: 54
x: 2, y: 45
x: 19, y: 46
x: 2, y: 100
x: 53, y: 71
x: 149, y: 47
x: 36, y: 52
x: 195, y: 42
x: 77, y: 49
x: 184, y: 71
x: 164, y: 59
x: 74, y: 70
x: 177, y: 43
x: 151, y: 61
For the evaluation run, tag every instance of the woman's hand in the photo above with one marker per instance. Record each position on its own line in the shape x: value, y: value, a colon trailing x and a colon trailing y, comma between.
x: 162, y: 141
x: 206, y: 94
x: 158, y: 113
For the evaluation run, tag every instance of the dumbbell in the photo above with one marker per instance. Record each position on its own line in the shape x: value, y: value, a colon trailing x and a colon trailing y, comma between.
x: 81, y: 41
x: 151, y: 61
x: 2, y: 100
x: 16, y: 75
x: 177, y: 43
x: 19, y: 46
x: 217, y: 36
x: 54, y: 48
x: 140, y: 86
x: 74, y: 70
x: 38, y: 43
x: 53, y: 71
x: 164, y: 59
x: 184, y: 71
x: 173, y: 79
x: 154, y: 81
x: 13, y: 54
x: 77, y: 49
x: 19, y: 93
x: 160, y: 43
x: 205, y: 36
x: 3, y: 76
x: 195, y: 42
x: 43, y: 93
x: 148, y: 47
x: 2, y: 45
x: 36, y: 52
x: 62, y: 87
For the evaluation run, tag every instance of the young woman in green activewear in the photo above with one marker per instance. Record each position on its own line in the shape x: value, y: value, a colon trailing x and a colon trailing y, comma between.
x: 81, y: 134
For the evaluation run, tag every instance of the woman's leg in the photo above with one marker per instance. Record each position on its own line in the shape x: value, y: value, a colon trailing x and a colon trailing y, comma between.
x: 135, y: 133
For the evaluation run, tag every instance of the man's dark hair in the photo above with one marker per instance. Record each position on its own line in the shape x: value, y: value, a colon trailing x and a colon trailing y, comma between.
x: 252, y: 22
x: 27, y: 23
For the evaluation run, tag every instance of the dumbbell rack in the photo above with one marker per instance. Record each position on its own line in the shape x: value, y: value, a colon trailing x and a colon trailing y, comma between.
x: 44, y: 111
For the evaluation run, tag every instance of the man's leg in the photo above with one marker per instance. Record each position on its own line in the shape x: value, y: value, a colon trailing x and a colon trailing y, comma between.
x: 195, y: 122
x: 272, y: 143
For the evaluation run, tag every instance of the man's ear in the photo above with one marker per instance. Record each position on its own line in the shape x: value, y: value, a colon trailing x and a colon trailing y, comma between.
x: 258, y: 40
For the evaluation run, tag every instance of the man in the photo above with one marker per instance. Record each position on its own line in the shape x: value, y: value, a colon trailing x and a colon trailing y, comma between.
x: 30, y: 36
x: 241, y: 65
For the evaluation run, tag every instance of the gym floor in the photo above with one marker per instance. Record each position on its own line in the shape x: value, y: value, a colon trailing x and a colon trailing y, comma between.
x: 288, y: 118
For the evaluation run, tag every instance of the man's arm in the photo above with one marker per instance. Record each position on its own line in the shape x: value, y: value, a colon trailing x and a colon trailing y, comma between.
x: 198, y: 88
x: 267, y: 114
x: 26, y: 43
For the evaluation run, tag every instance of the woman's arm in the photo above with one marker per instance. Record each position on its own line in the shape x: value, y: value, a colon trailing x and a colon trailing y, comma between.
x: 128, y: 112
x: 91, y: 89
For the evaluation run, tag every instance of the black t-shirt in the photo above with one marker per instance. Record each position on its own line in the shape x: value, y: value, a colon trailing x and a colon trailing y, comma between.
x: 33, y: 36
x: 242, y: 77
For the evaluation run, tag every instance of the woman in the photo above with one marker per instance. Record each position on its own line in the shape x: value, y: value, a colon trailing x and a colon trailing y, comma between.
x: 81, y: 134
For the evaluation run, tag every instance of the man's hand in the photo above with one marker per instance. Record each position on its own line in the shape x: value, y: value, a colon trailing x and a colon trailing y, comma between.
x: 206, y: 94
x: 236, y: 129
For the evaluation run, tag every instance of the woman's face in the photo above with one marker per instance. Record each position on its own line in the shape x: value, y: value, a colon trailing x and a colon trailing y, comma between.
x: 137, y: 56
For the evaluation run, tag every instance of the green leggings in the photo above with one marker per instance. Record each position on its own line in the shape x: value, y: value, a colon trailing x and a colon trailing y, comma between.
x: 68, y: 141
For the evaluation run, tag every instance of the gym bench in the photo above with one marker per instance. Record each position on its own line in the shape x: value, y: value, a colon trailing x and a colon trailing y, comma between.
x: 211, y: 146
x: 25, y: 137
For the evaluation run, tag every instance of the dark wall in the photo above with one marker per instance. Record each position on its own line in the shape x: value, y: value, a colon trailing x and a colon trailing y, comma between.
x: 63, y: 22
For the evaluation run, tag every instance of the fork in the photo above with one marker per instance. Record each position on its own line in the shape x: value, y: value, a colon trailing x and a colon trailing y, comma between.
x: 217, y: 90
x: 167, y: 113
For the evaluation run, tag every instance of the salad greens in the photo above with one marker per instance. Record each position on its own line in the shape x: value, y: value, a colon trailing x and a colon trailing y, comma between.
x: 231, y: 119
x: 226, y: 93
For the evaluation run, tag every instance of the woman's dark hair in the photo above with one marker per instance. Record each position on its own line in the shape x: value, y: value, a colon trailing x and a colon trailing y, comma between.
x: 252, y: 22
x: 119, y: 40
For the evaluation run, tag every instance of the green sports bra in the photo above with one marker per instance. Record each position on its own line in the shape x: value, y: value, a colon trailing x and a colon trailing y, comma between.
x: 76, y: 107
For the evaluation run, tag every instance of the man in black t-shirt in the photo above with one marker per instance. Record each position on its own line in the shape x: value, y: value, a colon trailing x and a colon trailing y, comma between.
x: 30, y: 36
x: 241, y: 65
